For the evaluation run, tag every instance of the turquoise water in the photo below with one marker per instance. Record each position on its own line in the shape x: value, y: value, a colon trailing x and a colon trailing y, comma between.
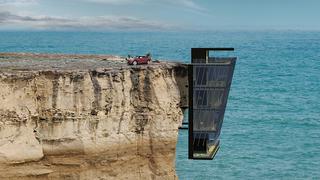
x: 272, y: 122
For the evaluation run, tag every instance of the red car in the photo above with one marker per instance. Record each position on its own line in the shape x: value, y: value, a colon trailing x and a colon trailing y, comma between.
x: 138, y: 60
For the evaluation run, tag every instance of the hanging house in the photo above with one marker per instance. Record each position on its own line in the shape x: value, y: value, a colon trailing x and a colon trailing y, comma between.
x: 209, y: 84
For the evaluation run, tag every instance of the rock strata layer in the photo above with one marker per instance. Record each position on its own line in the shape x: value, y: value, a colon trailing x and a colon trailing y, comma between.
x: 88, y: 117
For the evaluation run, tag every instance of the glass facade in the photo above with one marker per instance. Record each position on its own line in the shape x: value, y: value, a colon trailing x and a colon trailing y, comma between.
x: 209, y: 83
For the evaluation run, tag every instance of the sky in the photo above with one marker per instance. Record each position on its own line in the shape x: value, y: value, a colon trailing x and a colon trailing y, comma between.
x: 159, y: 15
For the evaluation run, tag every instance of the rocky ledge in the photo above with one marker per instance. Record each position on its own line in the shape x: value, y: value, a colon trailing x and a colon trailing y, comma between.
x: 88, y: 117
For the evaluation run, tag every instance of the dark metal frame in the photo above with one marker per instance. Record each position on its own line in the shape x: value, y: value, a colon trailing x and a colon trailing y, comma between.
x: 190, y: 118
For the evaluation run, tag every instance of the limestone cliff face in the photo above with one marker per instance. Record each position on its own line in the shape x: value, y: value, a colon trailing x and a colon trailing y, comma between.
x: 99, y: 123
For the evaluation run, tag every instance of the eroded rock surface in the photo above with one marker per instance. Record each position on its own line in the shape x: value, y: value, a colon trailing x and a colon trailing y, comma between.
x: 88, y: 117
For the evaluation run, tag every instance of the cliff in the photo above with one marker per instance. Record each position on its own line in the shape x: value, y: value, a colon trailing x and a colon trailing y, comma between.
x: 88, y: 117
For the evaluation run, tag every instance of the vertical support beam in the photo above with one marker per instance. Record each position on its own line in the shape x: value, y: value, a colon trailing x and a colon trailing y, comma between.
x: 190, y: 117
x: 207, y: 56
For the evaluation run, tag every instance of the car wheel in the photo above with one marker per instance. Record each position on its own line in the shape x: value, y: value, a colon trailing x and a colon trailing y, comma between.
x: 135, y: 63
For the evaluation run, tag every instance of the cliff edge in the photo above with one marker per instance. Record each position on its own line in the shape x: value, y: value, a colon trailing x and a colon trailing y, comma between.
x: 88, y: 117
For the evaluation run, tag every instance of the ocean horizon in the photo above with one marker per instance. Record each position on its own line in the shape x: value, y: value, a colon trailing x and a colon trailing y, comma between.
x: 272, y: 121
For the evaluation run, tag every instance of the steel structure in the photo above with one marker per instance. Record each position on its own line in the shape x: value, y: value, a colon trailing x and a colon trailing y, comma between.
x: 209, y: 84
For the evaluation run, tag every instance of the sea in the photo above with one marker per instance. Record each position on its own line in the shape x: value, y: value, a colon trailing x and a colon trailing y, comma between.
x: 271, y: 127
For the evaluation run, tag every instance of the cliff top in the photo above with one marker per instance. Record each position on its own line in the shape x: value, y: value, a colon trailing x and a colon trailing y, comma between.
x: 10, y: 62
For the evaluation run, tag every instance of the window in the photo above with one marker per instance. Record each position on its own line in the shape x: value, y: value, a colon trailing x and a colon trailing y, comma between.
x: 201, y: 98
x: 201, y: 75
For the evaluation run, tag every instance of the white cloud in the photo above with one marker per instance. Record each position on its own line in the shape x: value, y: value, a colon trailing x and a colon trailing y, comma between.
x: 20, y: 14
x: 16, y: 5
x: 17, y: 2
x: 85, y: 23
x: 191, y: 4
x: 116, y: 2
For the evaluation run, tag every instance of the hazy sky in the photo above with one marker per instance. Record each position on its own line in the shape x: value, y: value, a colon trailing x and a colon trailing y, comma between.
x: 159, y: 14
